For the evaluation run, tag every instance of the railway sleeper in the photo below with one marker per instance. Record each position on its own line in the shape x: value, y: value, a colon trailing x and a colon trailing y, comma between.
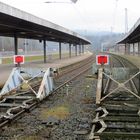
x: 122, y: 119
x: 133, y: 126
x: 122, y: 102
x: 118, y: 136
x: 125, y: 106
x: 123, y: 114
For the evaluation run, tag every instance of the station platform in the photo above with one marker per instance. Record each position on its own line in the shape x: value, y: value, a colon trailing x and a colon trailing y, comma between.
x: 5, y: 69
x: 134, y: 59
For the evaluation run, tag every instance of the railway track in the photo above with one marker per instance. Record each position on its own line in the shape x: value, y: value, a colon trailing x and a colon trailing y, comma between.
x: 23, y: 99
x: 118, y: 102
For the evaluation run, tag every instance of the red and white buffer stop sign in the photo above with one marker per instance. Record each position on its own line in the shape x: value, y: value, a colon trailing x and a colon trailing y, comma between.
x: 18, y: 59
x: 102, y: 59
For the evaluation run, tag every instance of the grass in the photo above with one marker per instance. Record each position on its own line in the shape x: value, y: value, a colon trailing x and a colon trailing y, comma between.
x: 33, y: 58
x: 7, y: 61
x: 59, y: 112
x: 27, y: 59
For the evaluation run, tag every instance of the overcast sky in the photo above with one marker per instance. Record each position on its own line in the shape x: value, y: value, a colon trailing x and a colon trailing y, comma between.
x: 87, y: 15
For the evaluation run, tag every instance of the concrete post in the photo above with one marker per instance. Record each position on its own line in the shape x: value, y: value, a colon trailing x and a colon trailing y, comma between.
x: 138, y: 48
x: 16, y: 44
x: 60, y: 51
x: 70, y: 50
x: 44, y: 45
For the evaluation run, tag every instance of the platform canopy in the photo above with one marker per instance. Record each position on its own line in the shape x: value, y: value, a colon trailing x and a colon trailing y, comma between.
x: 133, y: 35
x: 14, y: 22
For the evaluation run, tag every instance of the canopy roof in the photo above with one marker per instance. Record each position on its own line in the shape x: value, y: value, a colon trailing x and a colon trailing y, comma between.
x: 24, y: 25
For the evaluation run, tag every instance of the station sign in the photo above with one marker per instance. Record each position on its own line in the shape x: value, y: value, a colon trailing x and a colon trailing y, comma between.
x: 102, y: 59
x: 19, y: 59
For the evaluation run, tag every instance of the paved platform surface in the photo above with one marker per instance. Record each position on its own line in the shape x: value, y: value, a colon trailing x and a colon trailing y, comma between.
x: 5, y: 69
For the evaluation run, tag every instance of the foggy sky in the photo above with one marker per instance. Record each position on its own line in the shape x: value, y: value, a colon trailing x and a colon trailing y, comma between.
x: 88, y: 15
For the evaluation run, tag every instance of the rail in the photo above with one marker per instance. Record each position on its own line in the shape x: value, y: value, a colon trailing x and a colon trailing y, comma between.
x: 117, y: 100
x: 26, y: 95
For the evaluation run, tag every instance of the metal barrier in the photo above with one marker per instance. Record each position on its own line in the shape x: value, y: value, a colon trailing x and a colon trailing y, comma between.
x: 124, y: 75
x: 47, y: 84
x: 20, y: 76
x: 13, y: 81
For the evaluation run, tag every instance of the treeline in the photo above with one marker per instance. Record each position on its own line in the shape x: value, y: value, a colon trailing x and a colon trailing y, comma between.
x: 29, y: 46
x: 98, y: 39
x: 7, y: 44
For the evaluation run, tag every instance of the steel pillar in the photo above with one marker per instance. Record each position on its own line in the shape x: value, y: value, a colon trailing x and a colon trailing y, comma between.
x: 16, y: 44
x: 83, y: 49
x: 138, y: 48
x: 80, y: 49
x: 133, y: 48
x: 70, y: 50
x: 44, y: 45
x: 127, y: 48
x: 60, y: 51
x: 75, y: 50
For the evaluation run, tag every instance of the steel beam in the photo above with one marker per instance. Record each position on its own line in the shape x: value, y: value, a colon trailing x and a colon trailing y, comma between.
x: 44, y: 45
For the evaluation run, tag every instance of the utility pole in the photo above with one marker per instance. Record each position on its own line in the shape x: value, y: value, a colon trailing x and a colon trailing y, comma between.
x: 114, y: 16
x: 126, y: 21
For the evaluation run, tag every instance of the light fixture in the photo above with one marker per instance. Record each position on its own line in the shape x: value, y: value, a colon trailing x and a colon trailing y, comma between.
x: 72, y: 1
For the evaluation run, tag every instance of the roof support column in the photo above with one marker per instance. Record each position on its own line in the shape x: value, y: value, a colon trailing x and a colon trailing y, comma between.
x: 75, y: 50
x: 138, y: 48
x: 70, y: 50
x: 83, y: 49
x: 44, y: 45
x: 133, y: 48
x: 80, y: 49
x: 127, y: 48
x: 60, y: 51
x: 16, y: 48
x: 16, y: 44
